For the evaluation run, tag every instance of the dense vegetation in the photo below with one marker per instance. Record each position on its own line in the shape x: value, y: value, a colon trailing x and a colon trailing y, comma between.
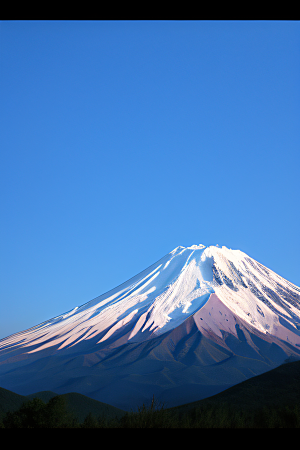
x: 54, y: 414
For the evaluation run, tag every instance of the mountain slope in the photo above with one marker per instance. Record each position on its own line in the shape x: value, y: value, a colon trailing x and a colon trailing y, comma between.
x: 198, y: 321
x: 279, y: 387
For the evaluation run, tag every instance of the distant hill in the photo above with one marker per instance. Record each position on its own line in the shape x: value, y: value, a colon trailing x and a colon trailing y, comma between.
x: 9, y: 401
x: 77, y: 404
x: 81, y: 406
x: 43, y: 395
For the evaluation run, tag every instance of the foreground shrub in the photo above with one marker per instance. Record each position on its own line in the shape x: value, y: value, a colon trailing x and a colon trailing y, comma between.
x: 154, y: 416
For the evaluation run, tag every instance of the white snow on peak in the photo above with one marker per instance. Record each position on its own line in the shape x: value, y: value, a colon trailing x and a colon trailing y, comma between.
x: 165, y: 294
x: 193, y: 247
x: 197, y: 247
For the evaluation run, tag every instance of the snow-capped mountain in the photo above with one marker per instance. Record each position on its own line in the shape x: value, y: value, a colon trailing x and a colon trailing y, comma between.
x: 194, y: 323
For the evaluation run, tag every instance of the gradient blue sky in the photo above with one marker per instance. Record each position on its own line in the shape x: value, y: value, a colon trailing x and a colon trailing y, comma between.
x: 122, y: 140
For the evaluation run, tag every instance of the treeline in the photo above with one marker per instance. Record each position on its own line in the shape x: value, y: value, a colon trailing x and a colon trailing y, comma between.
x: 54, y: 414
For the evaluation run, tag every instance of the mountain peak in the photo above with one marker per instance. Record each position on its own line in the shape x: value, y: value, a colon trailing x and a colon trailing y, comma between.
x: 193, y: 297
x: 164, y: 295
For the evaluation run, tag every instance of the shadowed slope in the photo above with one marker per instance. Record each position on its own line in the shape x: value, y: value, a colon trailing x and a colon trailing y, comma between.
x: 279, y: 387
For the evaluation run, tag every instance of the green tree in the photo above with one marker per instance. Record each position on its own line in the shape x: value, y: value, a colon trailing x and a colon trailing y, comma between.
x: 36, y: 414
x: 90, y: 422
x: 29, y: 415
x: 56, y: 414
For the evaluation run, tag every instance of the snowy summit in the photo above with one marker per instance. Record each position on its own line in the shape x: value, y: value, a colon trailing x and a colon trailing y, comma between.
x: 161, y: 297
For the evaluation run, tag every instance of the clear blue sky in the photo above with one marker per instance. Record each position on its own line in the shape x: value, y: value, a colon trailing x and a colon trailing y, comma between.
x: 122, y: 140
